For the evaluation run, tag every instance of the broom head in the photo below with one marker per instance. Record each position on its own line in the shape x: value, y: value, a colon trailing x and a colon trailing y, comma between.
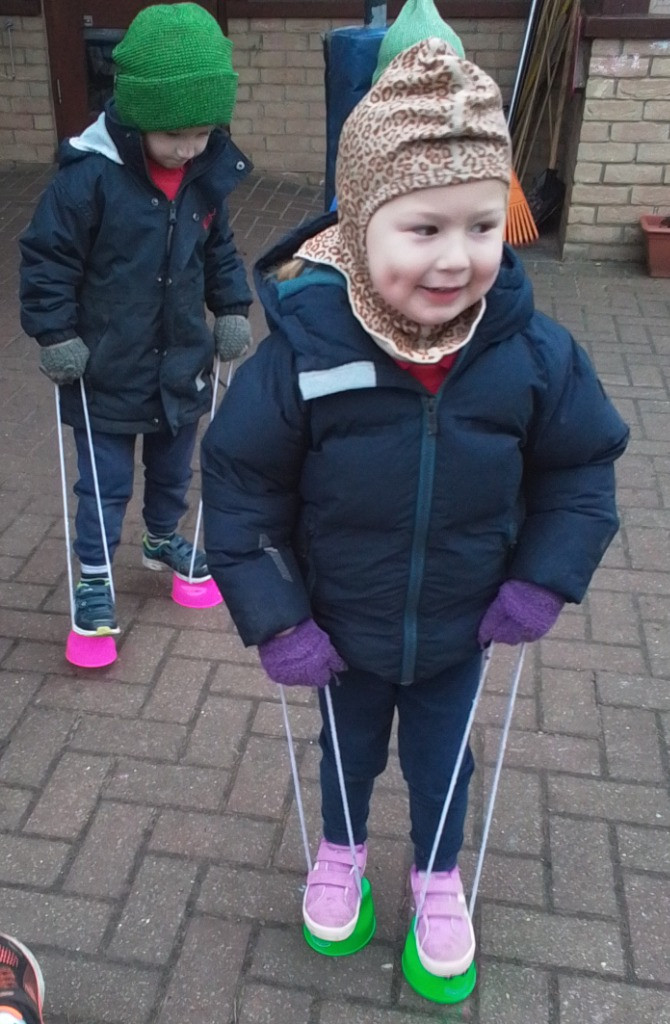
x: 520, y: 228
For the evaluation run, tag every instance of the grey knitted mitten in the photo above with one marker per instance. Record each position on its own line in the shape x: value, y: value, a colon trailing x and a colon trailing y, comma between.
x: 64, y: 362
x: 232, y: 336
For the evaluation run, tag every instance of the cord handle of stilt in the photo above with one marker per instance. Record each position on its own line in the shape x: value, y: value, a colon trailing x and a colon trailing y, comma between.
x: 198, y: 519
x: 496, y: 777
x: 296, y: 778
x: 96, y: 487
x: 454, y: 778
x: 343, y: 791
x: 66, y: 513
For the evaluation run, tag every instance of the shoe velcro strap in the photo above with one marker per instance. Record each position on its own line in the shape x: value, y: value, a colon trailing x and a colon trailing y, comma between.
x: 338, y: 855
x: 333, y: 879
x: 444, y: 905
x: 439, y: 885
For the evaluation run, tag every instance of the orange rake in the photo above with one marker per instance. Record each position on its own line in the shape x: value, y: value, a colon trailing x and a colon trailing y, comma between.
x: 520, y: 228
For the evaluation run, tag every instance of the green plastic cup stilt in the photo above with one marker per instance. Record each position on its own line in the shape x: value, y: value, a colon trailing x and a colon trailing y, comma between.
x: 361, y: 935
x: 430, y: 986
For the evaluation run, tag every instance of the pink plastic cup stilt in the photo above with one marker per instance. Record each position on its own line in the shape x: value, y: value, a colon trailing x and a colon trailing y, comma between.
x: 197, y: 594
x: 90, y: 651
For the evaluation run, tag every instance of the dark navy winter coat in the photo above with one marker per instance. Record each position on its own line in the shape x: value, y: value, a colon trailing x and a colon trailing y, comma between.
x: 109, y: 258
x: 336, y: 486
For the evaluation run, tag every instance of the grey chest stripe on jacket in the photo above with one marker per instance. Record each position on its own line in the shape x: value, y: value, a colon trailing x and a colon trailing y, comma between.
x: 349, y: 377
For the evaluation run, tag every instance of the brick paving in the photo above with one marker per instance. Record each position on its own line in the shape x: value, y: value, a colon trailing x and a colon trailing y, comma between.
x: 149, y: 846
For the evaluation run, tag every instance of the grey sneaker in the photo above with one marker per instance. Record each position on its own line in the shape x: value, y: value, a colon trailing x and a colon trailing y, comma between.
x: 174, y: 553
x: 94, y: 612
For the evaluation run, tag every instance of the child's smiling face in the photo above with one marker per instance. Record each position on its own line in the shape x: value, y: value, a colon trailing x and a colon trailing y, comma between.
x: 174, y: 149
x: 435, y: 252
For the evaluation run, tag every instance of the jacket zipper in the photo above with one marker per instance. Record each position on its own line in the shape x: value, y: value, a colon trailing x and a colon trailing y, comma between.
x: 172, y: 220
x: 421, y: 521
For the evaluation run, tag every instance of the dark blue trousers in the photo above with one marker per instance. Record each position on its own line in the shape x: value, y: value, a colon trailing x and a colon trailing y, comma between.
x: 167, y: 475
x: 431, y: 720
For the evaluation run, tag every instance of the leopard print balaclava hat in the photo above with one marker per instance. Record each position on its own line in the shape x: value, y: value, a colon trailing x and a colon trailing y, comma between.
x: 432, y: 119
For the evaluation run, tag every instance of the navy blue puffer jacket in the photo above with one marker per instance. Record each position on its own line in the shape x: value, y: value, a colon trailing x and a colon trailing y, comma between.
x: 336, y: 486
x: 109, y: 258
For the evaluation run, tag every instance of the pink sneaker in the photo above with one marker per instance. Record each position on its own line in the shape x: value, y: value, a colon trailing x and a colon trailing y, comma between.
x: 332, y: 901
x: 445, y: 939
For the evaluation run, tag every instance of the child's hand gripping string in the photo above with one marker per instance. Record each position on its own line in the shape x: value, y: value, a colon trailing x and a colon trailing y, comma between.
x: 232, y: 336
x: 521, y: 612
x: 64, y: 362
x: 303, y: 657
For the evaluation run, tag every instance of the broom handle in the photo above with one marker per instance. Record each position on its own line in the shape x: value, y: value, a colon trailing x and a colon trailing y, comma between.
x: 525, y: 113
x: 530, y: 27
x: 545, y: 33
x: 539, y: 115
x: 563, y: 88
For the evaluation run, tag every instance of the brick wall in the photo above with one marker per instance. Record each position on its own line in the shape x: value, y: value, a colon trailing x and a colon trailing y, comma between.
x: 280, y: 115
x: 27, y: 132
x: 623, y: 156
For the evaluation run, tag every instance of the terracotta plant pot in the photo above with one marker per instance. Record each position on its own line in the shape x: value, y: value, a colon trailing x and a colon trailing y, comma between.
x: 656, y: 231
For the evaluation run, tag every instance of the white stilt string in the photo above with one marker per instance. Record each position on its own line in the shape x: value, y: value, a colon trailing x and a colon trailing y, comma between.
x: 96, y: 487
x: 296, y: 779
x: 496, y: 777
x: 66, y: 513
x: 343, y: 791
x: 340, y: 778
x: 454, y: 779
x: 198, y: 520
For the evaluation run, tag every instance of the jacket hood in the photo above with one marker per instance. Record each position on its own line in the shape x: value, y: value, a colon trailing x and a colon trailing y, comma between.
x: 94, y: 139
x: 509, y: 303
x: 107, y: 137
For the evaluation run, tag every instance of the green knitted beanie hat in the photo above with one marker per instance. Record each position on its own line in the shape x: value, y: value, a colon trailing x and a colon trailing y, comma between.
x: 174, y: 70
x: 418, y: 20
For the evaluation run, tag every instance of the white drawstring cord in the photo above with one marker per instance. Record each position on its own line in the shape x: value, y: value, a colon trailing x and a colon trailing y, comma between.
x: 343, y: 792
x: 212, y: 410
x: 96, y: 487
x: 496, y: 777
x: 66, y: 514
x: 494, y: 786
x: 296, y: 779
x: 340, y: 778
x: 450, y: 792
x: 454, y: 778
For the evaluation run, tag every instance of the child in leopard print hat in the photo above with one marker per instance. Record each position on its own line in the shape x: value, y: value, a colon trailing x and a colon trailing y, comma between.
x: 414, y: 464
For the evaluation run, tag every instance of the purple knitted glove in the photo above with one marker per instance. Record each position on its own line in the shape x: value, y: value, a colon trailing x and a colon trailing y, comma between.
x: 521, y: 612
x: 304, y: 657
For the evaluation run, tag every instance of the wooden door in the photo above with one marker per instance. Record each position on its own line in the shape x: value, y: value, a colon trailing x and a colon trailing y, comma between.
x: 67, y: 60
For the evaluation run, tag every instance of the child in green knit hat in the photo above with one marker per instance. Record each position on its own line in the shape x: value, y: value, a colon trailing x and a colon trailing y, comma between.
x: 128, y: 245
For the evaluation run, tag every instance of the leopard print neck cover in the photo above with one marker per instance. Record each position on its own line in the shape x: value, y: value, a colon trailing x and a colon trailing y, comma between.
x: 432, y: 119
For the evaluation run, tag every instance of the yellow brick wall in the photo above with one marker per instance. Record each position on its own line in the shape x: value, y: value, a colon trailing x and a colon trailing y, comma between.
x: 623, y: 157
x: 280, y: 115
x: 27, y: 132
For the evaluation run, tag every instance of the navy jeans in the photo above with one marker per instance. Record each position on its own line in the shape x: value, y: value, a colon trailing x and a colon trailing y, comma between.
x: 167, y: 475
x: 431, y: 720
